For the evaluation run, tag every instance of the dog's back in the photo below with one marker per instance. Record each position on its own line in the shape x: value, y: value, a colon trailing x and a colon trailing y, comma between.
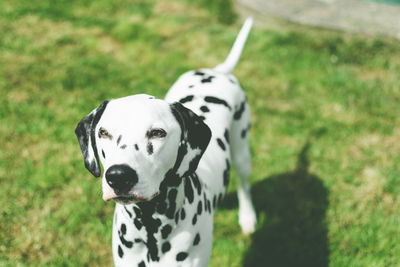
x: 216, y: 96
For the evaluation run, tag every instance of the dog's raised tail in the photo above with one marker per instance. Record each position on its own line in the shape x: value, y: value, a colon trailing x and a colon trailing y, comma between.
x: 230, y: 62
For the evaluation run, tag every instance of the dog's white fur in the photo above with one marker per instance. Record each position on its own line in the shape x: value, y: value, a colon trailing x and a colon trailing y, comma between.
x: 188, y: 239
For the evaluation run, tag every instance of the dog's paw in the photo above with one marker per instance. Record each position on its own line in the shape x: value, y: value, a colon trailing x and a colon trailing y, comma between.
x: 248, y: 221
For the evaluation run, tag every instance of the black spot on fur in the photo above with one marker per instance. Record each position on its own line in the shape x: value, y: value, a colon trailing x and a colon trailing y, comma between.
x: 171, y: 203
x: 119, y: 139
x: 189, y: 190
x: 208, y: 79
x: 202, y: 118
x: 215, y: 100
x: 196, y: 240
x: 120, y: 251
x: 127, y: 211
x: 186, y: 99
x: 221, y: 144
x: 238, y: 113
x: 232, y: 81
x: 149, y: 148
x: 194, y: 220
x: 191, y: 86
x: 142, y: 264
x: 226, y: 173
x: 196, y: 183
x: 181, y: 256
x: 123, y: 146
x: 123, y: 229
x: 200, y: 73
x: 204, y: 109
x: 137, y: 211
x: 183, y: 214
x: 102, y: 152
x: 165, y: 247
x: 165, y: 231
x: 161, y: 207
x: 177, y: 217
x: 151, y: 226
x: 121, y: 234
x: 136, y: 147
x: 157, y: 224
x: 205, y: 202
x: 226, y: 135
x: 199, y: 208
x: 137, y: 223
x: 244, y: 133
x: 214, y: 201
x: 172, y: 179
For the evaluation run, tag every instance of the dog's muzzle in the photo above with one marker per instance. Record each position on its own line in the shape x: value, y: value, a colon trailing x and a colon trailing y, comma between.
x: 121, y: 178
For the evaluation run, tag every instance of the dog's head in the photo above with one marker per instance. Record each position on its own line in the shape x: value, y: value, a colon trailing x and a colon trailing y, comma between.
x: 141, y: 141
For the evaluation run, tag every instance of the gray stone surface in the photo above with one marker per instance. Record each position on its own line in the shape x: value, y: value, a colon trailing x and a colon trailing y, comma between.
x: 349, y: 15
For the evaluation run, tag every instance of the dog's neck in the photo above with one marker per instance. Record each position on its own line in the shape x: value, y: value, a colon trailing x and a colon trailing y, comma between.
x: 155, y: 220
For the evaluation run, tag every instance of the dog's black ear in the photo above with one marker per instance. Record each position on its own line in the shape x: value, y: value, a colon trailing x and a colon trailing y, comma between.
x: 85, y: 131
x: 195, y: 137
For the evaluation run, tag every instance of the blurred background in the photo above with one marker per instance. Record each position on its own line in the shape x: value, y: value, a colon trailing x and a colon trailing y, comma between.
x: 322, y: 78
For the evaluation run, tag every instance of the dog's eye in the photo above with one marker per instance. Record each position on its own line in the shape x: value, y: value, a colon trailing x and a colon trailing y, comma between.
x: 156, y: 133
x: 104, y: 134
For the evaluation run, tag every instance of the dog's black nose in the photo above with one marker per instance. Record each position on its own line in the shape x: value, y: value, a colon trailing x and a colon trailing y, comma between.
x: 121, y: 178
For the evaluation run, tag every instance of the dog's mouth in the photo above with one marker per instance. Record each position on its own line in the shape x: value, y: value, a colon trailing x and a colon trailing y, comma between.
x: 125, y: 198
x: 134, y: 198
x: 128, y: 199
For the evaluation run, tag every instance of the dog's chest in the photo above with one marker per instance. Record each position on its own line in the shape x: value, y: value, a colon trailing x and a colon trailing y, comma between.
x: 183, y: 240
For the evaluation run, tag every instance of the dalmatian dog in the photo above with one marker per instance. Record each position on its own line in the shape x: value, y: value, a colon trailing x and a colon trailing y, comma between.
x: 167, y: 162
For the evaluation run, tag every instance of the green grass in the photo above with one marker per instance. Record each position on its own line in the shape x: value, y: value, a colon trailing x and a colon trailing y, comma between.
x: 325, y: 131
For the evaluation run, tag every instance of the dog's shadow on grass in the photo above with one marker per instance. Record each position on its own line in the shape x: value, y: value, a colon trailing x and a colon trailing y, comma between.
x: 293, y: 230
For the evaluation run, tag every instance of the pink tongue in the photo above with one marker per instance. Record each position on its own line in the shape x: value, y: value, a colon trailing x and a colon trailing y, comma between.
x: 108, y: 195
